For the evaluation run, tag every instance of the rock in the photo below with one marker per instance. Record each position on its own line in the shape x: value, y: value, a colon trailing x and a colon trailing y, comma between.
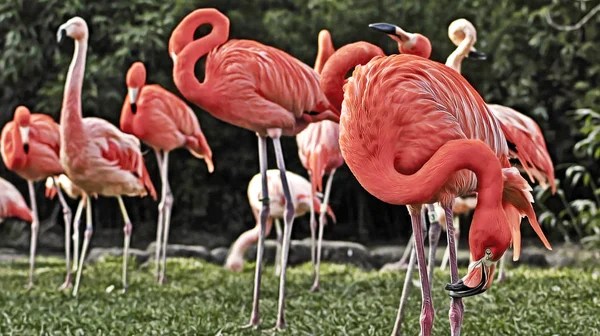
x: 182, y: 251
x: 343, y: 252
x: 383, y: 255
x: 219, y: 255
x: 269, y: 253
x: 99, y: 254
x: 530, y: 258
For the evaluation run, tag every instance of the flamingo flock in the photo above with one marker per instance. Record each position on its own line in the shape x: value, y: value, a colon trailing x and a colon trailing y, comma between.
x: 412, y: 131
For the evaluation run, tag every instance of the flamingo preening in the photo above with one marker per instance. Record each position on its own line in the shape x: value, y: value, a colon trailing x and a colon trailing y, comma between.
x: 95, y: 155
x: 409, y: 121
x: 319, y: 152
x: 257, y: 87
x: 30, y: 147
x: 303, y: 202
x: 12, y: 203
x: 164, y: 122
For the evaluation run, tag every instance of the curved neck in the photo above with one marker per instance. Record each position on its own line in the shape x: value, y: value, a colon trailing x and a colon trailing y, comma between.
x: 343, y: 60
x: 456, y: 58
x: 70, y: 117
x: 324, y: 51
x: 393, y: 187
x: 184, y: 62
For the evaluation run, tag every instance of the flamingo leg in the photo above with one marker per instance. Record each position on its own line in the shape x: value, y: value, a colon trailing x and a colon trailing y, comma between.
x: 67, y: 218
x: 405, y: 290
x: 322, y: 222
x: 159, y: 225
x: 435, y: 230
x: 407, y: 250
x: 127, y: 231
x: 89, y: 229
x: 501, y: 273
x: 457, y: 307
x: 278, y: 249
x: 167, y: 206
x: 427, y: 311
x: 313, y: 231
x: 456, y: 238
x: 407, y: 279
x: 264, y: 216
x: 288, y: 214
x: 76, y: 223
x: 35, y: 226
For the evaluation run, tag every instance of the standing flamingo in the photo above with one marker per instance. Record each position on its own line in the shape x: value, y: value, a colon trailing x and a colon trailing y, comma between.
x: 256, y: 87
x: 74, y: 192
x: 409, y: 121
x: 29, y: 147
x: 319, y: 152
x: 164, y: 122
x: 301, y: 195
x: 12, y: 203
x: 96, y: 156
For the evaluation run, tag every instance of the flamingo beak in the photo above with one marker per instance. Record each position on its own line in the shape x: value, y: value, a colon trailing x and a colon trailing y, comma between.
x: 478, y: 280
x: 133, y: 94
x: 395, y: 32
x: 477, y: 55
x: 61, y: 34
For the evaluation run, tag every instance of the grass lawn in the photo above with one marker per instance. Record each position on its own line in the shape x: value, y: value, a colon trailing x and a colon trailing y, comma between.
x: 204, y: 299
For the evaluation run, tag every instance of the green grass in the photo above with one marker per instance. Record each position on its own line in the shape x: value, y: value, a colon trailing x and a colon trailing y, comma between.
x: 204, y: 299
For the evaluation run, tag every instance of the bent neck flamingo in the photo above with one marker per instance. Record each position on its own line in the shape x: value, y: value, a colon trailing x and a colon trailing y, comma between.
x: 164, y: 122
x: 451, y: 146
x: 30, y: 147
x: 301, y: 196
x: 95, y: 155
x: 319, y: 152
x: 253, y: 86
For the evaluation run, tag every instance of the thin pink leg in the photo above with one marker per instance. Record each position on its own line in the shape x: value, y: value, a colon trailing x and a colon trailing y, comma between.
x: 168, y: 205
x: 87, y: 236
x: 127, y: 228
x: 501, y: 273
x: 264, y: 216
x: 288, y: 222
x: 67, y: 218
x: 161, y: 216
x: 313, y: 235
x: 457, y: 307
x: 35, y: 226
x: 322, y: 222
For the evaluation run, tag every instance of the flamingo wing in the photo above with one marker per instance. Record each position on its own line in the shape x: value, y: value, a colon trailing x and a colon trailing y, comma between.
x: 12, y: 203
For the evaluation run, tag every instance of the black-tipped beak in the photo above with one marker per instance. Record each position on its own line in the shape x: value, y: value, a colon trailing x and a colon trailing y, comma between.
x: 460, y: 290
x: 477, y: 55
x: 384, y: 27
x: 26, y: 148
x: 60, y: 36
x: 133, y: 108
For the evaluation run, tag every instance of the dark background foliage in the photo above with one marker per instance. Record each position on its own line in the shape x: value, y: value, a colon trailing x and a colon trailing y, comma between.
x: 531, y: 67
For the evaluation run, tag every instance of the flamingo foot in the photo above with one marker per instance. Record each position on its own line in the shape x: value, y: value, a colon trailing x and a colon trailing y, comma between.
x: 315, y: 287
x: 254, y: 322
x: 163, y: 280
x: 501, y: 276
x: 67, y: 284
x: 29, y: 286
x: 457, y: 309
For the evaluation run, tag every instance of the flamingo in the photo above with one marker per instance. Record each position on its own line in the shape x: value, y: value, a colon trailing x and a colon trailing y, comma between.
x: 74, y: 192
x: 319, y: 152
x: 257, y: 87
x: 526, y: 142
x: 409, y: 121
x: 29, y: 147
x: 95, y: 155
x: 164, y: 122
x: 12, y: 203
x: 301, y: 196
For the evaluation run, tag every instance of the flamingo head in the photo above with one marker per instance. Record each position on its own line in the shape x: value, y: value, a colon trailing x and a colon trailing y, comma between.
x: 489, y: 238
x: 136, y: 78
x: 76, y: 28
x: 461, y: 30
x: 22, y: 119
x: 408, y: 43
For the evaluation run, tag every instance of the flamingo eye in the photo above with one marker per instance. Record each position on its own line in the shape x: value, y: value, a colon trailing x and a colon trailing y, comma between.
x: 488, y: 254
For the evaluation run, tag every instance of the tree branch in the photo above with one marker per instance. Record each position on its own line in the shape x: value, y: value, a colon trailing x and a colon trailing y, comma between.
x: 576, y: 26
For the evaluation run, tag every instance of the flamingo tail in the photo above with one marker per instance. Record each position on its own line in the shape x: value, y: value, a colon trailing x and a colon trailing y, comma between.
x: 198, y: 147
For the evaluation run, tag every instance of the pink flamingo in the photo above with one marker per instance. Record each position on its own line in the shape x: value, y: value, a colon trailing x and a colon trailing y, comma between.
x: 320, y: 154
x: 29, y: 147
x: 96, y: 156
x: 257, y: 87
x: 409, y: 121
x: 164, y: 122
x: 53, y: 184
x: 12, y: 203
x: 301, y: 195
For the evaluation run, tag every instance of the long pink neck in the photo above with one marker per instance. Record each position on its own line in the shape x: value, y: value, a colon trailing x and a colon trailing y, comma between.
x: 183, y: 69
x: 387, y: 184
x: 456, y: 58
x: 324, y: 51
x: 71, y: 124
x: 343, y: 60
